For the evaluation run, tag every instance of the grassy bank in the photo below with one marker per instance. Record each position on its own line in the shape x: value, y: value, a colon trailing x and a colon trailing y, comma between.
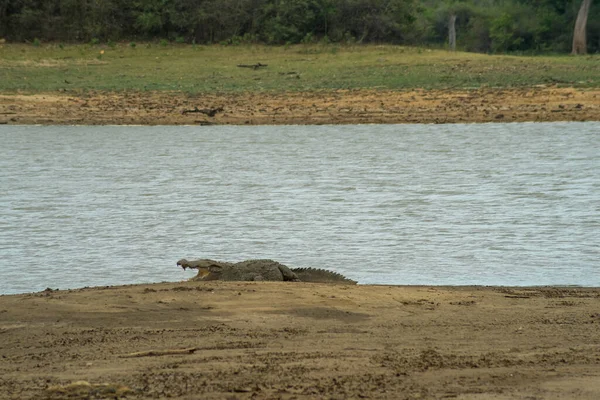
x: 297, y: 68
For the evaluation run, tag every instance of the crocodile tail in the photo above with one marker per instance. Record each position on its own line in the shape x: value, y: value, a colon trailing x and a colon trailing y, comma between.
x: 321, y: 275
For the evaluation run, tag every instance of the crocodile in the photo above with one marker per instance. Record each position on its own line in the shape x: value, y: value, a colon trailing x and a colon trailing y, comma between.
x: 259, y: 270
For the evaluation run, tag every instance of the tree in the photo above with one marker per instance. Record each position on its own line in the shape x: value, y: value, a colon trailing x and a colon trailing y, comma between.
x: 452, y: 32
x: 448, y: 13
x: 579, y: 36
x: 3, y: 17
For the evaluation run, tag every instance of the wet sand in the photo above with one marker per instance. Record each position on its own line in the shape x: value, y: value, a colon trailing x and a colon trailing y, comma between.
x: 269, y: 340
x: 320, y: 107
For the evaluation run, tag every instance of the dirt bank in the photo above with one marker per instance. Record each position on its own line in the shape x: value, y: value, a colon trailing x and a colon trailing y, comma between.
x: 259, y: 340
x: 328, y: 107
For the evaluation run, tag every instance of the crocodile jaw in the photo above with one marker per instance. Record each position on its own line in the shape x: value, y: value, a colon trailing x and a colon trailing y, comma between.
x: 203, y: 274
x: 183, y: 263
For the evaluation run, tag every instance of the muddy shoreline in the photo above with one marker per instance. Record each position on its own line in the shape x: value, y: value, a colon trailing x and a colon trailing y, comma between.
x: 265, y: 340
x: 360, y: 106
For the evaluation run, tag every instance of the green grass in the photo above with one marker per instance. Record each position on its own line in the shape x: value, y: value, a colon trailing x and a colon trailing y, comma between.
x: 193, y: 69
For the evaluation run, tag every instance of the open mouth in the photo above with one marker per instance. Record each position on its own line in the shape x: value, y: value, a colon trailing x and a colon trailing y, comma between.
x: 203, y: 273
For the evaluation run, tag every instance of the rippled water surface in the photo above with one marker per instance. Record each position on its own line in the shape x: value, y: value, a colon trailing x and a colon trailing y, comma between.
x: 491, y: 204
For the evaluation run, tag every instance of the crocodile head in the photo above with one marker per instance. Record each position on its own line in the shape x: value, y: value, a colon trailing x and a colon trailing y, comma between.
x: 208, y: 270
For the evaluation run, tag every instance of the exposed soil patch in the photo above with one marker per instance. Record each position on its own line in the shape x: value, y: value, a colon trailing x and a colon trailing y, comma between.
x: 265, y: 340
x: 308, y: 108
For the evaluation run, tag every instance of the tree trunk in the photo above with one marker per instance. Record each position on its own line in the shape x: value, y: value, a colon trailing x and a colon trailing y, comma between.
x: 3, y: 18
x: 452, y: 32
x: 579, y: 37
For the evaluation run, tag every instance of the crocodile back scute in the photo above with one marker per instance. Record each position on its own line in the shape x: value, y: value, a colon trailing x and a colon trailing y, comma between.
x: 321, y: 275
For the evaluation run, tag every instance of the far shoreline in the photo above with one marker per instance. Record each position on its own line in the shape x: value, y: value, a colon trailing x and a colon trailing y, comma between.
x: 322, y: 107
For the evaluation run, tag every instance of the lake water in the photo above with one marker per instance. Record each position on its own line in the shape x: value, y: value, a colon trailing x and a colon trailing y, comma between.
x: 484, y: 204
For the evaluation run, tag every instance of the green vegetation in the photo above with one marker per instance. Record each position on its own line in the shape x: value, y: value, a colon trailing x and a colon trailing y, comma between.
x: 489, y: 26
x: 199, y: 68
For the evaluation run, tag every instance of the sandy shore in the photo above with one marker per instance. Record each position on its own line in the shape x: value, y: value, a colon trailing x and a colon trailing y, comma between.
x: 265, y: 340
x: 327, y: 107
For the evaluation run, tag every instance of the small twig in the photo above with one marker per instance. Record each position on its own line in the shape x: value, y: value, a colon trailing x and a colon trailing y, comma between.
x: 157, y: 353
x: 253, y: 66
x: 208, y: 111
